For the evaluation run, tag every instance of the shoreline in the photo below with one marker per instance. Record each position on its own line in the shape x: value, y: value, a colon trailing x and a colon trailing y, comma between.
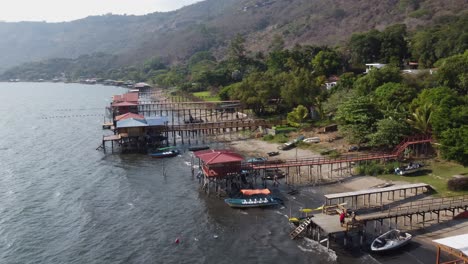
x: 422, y: 236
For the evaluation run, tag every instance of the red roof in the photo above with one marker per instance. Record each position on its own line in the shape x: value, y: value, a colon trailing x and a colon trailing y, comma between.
x: 128, y: 97
x: 123, y: 104
x: 212, y: 156
x: 128, y: 115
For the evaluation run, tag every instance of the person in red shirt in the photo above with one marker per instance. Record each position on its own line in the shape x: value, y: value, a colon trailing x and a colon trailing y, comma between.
x: 342, y: 218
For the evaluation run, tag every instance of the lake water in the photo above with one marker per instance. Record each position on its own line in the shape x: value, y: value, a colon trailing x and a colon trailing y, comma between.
x: 64, y: 202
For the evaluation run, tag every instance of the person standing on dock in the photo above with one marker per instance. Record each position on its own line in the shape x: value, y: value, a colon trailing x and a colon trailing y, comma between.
x: 275, y: 181
x: 342, y: 218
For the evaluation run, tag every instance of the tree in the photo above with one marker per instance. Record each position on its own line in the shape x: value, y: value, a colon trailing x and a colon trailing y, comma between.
x: 453, y: 72
x: 326, y: 63
x: 394, y: 47
x: 377, y: 77
x: 365, y: 47
x: 256, y: 90
x: 454, y: 144
x: 298, y: 87
x: 200, y: 56
x: 297, y: 116
x: 389, y: 133
x: 421, y: 119
x: 237, y: 54
x: 357, y: 117
x: 394, y: 94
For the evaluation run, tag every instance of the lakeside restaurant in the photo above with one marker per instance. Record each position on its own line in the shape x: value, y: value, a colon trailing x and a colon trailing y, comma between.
x: 220, y: 168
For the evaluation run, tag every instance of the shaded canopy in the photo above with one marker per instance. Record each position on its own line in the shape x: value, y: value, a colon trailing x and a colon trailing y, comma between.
x: 255, y: 191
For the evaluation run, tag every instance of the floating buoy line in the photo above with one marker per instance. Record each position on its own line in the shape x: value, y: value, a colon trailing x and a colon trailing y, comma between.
x: 70, y: 116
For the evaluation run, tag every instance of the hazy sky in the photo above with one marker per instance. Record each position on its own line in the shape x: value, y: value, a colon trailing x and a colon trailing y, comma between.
x: 66, y: 10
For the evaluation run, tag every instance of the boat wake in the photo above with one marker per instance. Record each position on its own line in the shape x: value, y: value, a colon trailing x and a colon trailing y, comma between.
x: 313, y: 246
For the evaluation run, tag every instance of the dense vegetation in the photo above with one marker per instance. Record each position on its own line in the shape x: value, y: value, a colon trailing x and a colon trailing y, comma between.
x: 377, y: 109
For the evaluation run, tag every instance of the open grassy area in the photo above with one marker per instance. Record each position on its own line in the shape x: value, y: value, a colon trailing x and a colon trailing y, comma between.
x: 437, y: 173
x: 206, y: 96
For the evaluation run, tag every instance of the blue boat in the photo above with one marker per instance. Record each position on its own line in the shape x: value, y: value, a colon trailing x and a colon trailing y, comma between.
x: 253, y: 198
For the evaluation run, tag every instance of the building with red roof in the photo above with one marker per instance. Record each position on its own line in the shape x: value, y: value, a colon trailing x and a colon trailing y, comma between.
x: 219, y: 163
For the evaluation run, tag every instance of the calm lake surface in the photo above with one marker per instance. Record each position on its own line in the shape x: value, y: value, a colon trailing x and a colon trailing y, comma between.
x: 64, y: 202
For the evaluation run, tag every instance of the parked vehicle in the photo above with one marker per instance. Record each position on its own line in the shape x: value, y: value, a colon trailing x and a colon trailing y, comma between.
x: 257, y: 160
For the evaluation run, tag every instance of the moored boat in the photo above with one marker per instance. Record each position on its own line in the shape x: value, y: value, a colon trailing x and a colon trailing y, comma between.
x: 391, y: 240
x: 165, y: 154
x: 411, y: 168
x: 197, y: 148
x: 253, y: 198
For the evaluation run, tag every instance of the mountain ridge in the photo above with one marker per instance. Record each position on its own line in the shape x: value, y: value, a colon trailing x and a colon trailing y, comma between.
x: 209, y: 25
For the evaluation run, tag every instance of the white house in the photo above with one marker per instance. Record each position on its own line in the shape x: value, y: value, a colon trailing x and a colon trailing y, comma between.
x: 370, y: 66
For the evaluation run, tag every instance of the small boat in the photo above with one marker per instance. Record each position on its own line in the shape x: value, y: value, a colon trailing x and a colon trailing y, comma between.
x: 393, y: 239
x: 197, y: 148
x: 273, y: 153
x: 291, y: 144
x: 165, y: 154
x: 253, y: 198
x: 411, y: 168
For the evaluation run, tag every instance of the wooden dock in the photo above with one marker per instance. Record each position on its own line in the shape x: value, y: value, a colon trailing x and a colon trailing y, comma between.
x: 328, y: 225
x: 365, y: 195
x: 419, y: 208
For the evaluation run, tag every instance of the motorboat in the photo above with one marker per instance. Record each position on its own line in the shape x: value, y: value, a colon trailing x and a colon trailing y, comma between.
x: 411, y: 168
x: 197, y: 148
x: 390, y: 240
x: 253, y: 198
x: 165, y: 153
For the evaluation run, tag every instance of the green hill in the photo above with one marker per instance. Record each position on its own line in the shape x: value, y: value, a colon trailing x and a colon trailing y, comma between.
x: 209, y: 25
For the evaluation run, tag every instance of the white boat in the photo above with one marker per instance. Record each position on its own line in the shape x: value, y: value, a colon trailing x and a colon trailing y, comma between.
x: 393, y: 239
x: 411, y: 168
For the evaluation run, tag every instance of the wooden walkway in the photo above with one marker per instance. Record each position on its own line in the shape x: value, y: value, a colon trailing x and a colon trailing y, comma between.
x: 242, y: 123
x: 335, y: 165
x: 366, y: 194
x: 421, y: 207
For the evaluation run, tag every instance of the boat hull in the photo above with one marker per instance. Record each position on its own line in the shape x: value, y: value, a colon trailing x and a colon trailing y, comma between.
x: 199, y: 148
x: 168, y: 154
x: 251, y: 202
x: 391, y: 240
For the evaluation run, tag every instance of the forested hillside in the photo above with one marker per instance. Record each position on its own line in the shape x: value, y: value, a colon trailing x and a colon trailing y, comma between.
x: 209, y: 25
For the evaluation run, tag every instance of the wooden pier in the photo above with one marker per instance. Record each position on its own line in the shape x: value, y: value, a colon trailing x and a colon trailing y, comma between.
x: 418, y: 209
x: 364, y: 196
x: 321, y: 227
x: 321, y: 169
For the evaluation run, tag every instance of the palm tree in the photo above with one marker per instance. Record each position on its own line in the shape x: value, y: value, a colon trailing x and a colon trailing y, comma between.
x: 421, y: 119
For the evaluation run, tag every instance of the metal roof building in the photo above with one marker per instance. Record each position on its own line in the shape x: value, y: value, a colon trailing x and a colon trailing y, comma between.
x: 457, y: 246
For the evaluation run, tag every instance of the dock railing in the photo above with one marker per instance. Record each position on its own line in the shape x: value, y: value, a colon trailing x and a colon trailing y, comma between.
x: 433, y: 204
